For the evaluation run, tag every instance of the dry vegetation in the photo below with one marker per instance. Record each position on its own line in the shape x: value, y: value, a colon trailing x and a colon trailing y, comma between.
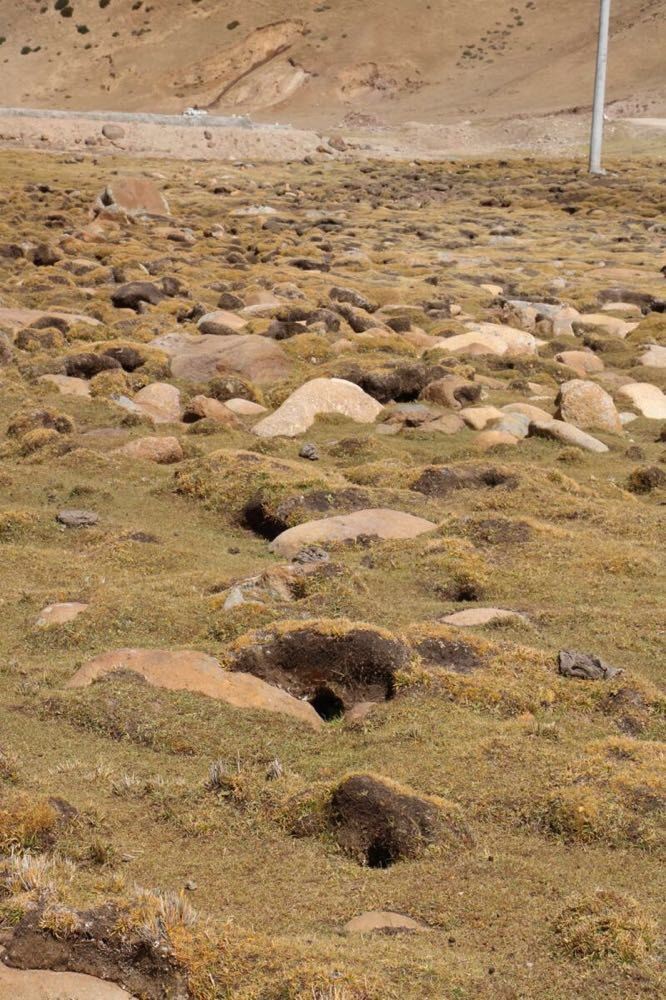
x: 207, y: 839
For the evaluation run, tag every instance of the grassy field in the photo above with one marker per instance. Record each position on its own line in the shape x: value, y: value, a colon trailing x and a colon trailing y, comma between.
x: 558, y: 891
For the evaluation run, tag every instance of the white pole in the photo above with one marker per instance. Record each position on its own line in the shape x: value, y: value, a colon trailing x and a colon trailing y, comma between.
x: 600, y: 90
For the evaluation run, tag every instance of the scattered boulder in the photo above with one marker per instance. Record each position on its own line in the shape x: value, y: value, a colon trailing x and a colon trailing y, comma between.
x: 59, y: 614
x: 487, y: 440
x: 321, y: 395
x: 200, y: 358
x: 185, y: 670
x: 39, y: 984
x: 135, y: 293
x: 584, y: 362
x: 478, y: 417
x: 587, y: 406
x: 374, y: 523
x: 77, y: 518
x: 114, y: 133
x: 490, y: 338
x: 471, y: 617
x: 159, y: 401
x: 221, y: 323
x: 654, y: 357
x: 68, y: 385
x: 585, y: 666
x: 559, y: 430
x: 161, y: 450
x: 206, y: 408
x: 452, y: 391
x: 383, y: 922
x: 14, y: 319
x: 647, y: 398
x: 133, y: 196
x: 245, y: 407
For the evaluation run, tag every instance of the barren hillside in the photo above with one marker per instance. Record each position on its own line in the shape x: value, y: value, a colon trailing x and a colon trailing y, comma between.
x: 315, y: 63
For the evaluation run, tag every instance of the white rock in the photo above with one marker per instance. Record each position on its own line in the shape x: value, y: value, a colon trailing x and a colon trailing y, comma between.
x: 244, y: 407
x: 559, y: 430
x: 478, y: 616
x: 654, y: 357
x: 59, y: 614
x: 647, y: 398
x: 321, y: 395
x: 611, y: 325
x: 67, y: 385
x: 379, y: 522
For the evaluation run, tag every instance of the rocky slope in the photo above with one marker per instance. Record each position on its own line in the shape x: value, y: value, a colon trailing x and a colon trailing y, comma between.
x: 331, y: 525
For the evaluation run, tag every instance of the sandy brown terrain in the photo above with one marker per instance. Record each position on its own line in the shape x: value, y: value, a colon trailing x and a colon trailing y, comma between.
x: 322, y: 64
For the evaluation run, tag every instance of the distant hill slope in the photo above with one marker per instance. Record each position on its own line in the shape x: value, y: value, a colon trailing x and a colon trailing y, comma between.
x: 314, y: 62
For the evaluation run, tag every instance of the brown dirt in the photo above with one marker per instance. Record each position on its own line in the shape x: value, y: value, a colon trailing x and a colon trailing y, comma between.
x: 143, y: 967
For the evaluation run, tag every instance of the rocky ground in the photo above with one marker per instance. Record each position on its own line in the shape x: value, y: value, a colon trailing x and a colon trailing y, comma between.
x: 332, y: 543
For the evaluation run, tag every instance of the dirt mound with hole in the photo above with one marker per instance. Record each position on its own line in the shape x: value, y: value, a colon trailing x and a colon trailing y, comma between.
x: 442, y: 480
x: 269, y: 520
x: 97, y: 947
x: 379, y: 823
x: 332, y: 664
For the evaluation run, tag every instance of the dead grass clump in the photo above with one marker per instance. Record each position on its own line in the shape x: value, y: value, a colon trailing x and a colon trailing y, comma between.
x: 644, y: 479
x: 15, y: 523
x: 27, y: 824
x: 605, y: 925
x: 226, y: 481
x: 25, y: 422
x: 109, y: 383
x: 311, y: 348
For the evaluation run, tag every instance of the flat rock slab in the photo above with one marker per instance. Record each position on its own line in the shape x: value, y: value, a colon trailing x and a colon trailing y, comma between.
x: 59, y: 614
x: 38, y: 984
x: 321, y: 395
x: 647, y: 398
x: 375, y: 522
x: 221, y: 323
x: 559, y: 430
x: 134, y: 196
x: 186, y: 670
x: 490, y: 338
x: 68, y: 386
x: 245, y: 407
x: 200, y: 358
x: 585, y: 666
x: 374, y: 921
x: 77, y: 518
x: 159, y: 401
x: 161, y: 450
x: 16, y: 319
x: 654, y: 357
x: 478, y: 616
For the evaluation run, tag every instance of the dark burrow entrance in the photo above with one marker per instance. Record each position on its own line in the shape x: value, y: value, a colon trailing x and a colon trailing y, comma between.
x: 327, y: 704
x: 331, y: 668
x: 379, y: 855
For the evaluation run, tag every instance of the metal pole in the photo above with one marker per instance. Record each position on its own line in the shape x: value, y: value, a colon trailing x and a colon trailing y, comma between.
x: 600, y: 90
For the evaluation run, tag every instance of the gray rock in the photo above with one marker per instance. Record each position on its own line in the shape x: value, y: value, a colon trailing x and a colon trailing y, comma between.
x: 113, y: 132
x: 309, y: 451
x: 77, y: 518
x: 584, y: 666
x: 517, y: 424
